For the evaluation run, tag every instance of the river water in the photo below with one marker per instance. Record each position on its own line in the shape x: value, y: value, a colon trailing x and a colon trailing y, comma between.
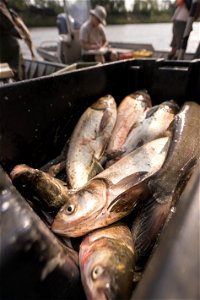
x: 158, y: 34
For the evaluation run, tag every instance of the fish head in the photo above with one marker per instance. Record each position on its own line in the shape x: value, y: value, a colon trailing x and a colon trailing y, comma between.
x: 172, y: 106
x: 163, y: 109
x: 106, y: 270
x: 35, y: 184
x: 104, y: 102
x: 22, y: 170
x: 143, y: 96
x: 77, y: 216
x: 23, y: 177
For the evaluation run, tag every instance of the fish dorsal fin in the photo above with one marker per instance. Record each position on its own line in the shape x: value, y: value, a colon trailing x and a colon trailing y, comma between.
x: 151, y: 111
x: 96, y: 168
x: 127, y: 200
x: 104, y: 120
x: 114, y: 154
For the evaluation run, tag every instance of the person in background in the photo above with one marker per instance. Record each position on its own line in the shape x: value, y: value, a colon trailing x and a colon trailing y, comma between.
x: 94, y: 45
x: 13, y: 28
x: 180, y: 19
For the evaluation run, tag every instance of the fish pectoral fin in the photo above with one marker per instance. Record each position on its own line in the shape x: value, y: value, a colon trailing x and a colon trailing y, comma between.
x: 57, y: 168
x: 114, y: 154
x: 104, y: 121
x: 95, y: 169
x: 63, y: 183
x: 127, y: 200
x: 103, y: 160
x: 151, y: 111
x: 130, y: 180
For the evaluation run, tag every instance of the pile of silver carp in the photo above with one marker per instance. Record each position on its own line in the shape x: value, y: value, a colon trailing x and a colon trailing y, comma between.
x: 115, y: 185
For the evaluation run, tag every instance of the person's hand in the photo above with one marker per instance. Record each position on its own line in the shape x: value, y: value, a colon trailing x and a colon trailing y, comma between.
x: 97, y: 46
x: 33, y: 55
x: 103, y: 48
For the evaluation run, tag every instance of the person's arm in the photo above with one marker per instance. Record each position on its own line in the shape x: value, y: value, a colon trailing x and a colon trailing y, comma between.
x: 104, y: 44
x: 104, y: 39
x: 89, y: 46
x: 26, y: 33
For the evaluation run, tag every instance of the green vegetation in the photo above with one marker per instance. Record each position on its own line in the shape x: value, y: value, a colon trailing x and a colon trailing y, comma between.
x: 40, y: 13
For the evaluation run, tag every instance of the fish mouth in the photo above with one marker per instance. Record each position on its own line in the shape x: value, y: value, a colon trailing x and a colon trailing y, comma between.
x: 107, y: 294
x: 19, y: 169
x: 102, y: 293
x: 104, y: 296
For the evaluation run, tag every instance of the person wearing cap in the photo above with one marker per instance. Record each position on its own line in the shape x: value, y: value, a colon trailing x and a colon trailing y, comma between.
x: 94, y: 45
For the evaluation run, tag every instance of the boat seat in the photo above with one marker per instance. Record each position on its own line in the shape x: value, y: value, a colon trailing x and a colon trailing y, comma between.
x: 5, y: 71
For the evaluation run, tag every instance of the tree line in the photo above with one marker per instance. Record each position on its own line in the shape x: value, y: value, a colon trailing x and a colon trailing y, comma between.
x: 44, y: 12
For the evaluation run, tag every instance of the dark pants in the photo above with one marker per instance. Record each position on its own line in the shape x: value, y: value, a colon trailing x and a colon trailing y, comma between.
x: 178, y: 31
x: 91, y: 57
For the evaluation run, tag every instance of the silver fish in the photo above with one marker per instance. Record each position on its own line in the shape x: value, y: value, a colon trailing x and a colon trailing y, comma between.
x: 168, y: 183
x: 130, y: 112
x: 146, y: 227
x: 155, y: 125
x: 89, y: 140
x: 183, y: 155
x: 113, y: 193
x: 106, y: 260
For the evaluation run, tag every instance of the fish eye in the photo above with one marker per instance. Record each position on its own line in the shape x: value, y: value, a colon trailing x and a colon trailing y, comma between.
x: 96, y: 272
x: 70, y: 209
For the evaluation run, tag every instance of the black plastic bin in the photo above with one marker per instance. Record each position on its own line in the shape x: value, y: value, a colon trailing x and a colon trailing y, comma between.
x: 36, y: 119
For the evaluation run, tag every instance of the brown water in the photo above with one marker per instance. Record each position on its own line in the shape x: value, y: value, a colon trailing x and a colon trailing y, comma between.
x: 159, y: 35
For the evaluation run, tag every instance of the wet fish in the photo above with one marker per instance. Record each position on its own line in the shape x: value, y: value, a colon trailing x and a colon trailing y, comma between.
x: 146, y: 227
x: 168, y: 183
x: 106, y: 260
x: 38, y: 186
x: 155, y: 125
x: 183, y: 155
x: 89, y: 140
x: 113, y: 193
x: 130, y: 112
